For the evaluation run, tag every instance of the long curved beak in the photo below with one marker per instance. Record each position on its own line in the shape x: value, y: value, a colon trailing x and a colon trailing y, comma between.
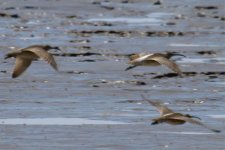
x: 196, y: 117
x: 6, y: 57
x: 57, y: 48
x: 130, y: 67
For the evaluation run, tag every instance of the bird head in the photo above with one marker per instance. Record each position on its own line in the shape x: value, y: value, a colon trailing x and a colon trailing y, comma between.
x: 8, y: 56
x: 155, y: 121
x: 133, y: 56
x: 48, y: 47
x: 190, y: 116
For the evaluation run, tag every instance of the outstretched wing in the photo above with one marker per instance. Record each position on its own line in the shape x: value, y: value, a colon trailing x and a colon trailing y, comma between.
x: 161, y: 108
x: 142, y: 57
x: 43, y: 54
x: 21, y: 65
x: 193, y: 121
x: 164, y: 61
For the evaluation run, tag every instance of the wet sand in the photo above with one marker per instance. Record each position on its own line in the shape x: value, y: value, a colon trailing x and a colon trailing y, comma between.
x: 92, y: 103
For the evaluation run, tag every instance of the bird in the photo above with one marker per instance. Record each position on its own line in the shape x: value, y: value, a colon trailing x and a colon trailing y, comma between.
x: 25, y: 56
x: 174, y: 118
x: 154, y: 59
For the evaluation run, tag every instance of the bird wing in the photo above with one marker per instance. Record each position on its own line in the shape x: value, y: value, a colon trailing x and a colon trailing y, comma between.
x: 164, y: 61
x: 161, y: 108
x: 21, y: 65
x: 193, y: 121
x: 40, y: 52
x: 142, y: 57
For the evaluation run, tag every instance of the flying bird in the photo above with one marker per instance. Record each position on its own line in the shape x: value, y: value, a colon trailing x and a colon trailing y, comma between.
x: 174, y: 118
x: 154, y: 59
x: 25, y: 56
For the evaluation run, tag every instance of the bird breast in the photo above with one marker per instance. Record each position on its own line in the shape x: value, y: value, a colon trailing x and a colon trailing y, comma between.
x: 174, y: 121
x: 145, y: 63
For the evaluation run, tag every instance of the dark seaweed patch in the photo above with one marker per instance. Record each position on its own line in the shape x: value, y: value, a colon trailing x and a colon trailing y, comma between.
x: 107, y: 7
x: 72, y: 72
x: 84, y: 47
x: 206, y: 52
x: 125, y: 1
x: 158, y: 2
x: 29, y: 7
x: 3, y: 71
x: 9, y: 16
x: 96, y: 2
x: 98, y: 23
x: 131, y: 101
x: 137, y: 82
x: 76, y: 54
x: 79, y: 41
x: 94, y: 85
x: 170, y: 23
x: 213, y: 77
x: 120, y: 82
x: 87, y: 60
x: 102, y: 23
x: 211, y: 74
x: 206, y: 7
x: 10, y: 8
x: 86, y: 33
x: 168, y: 75
x: 71, y: 16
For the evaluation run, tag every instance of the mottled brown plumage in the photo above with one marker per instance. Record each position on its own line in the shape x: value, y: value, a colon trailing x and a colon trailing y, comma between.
x: 25, y: 56
x: 169, y: 116
x: 154, y: 59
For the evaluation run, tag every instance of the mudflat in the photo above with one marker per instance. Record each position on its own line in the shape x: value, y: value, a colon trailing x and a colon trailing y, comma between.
x: 92, y: 103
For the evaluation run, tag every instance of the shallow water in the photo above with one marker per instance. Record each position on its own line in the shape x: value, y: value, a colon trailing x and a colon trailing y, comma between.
x: 92, y: 103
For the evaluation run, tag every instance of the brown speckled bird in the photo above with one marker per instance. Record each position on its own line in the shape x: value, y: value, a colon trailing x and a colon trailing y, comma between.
x: 25, y: 56
x: 169, y: 116
x: 154, y: 59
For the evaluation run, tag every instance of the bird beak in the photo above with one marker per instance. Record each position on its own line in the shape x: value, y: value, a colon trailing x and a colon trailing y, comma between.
x: 57, y: 48
x: 6, y: 57
x: 196, y: 117
x: 130, y: 67
x: 217, y: 131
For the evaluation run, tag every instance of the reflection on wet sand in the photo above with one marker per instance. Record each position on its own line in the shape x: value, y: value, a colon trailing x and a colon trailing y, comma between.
x: 182, y: 132
x: 55, y: 121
